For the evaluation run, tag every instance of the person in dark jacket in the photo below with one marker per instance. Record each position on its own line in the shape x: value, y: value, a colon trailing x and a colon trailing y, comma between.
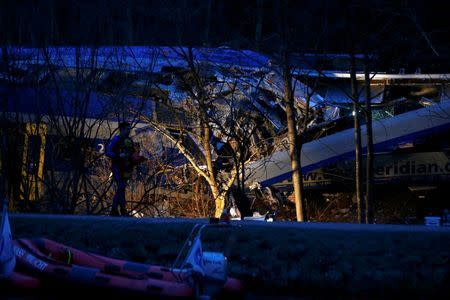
x: 122, y: 152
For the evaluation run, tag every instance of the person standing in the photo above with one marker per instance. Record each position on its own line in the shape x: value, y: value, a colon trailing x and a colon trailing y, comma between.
x: 122, y: 152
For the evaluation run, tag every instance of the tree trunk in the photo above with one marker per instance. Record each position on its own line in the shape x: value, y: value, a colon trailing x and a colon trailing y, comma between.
x: 208, y: 22
x: 129, y: 22
x: 220, y: 205
x: 293, y: 145
x: 369, y: 138
x: 51, y: 26
x: 219, y: 200
x: 259, y: 23
x: 357, y: 131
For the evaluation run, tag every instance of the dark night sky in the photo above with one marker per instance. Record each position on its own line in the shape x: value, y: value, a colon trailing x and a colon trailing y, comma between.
x: 401, y: 29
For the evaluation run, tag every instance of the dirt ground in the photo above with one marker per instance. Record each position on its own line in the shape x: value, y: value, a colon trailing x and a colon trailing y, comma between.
x: 280, y: 260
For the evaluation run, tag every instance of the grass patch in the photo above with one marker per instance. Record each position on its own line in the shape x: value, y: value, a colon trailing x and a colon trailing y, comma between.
x: 273, y: 260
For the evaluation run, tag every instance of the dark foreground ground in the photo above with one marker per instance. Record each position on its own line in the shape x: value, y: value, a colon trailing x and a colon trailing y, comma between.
x: 280, y: 260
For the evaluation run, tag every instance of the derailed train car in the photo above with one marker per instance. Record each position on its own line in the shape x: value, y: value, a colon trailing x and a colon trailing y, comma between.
x: 411, y: 130
x: 410, y: 110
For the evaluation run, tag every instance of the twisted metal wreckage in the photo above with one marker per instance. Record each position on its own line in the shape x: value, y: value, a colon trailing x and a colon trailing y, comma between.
x: 411, y: 111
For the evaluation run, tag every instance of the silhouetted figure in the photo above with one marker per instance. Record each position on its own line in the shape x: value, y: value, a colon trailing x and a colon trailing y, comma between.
x: 122, y: 152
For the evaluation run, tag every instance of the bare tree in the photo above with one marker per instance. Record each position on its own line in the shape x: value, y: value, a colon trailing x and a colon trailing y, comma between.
x: 369, y: 142
x: 202, y: 96
x: 293, y: 137
x: 357, y: 136
x: 294, y: 146
x: 259, y: 23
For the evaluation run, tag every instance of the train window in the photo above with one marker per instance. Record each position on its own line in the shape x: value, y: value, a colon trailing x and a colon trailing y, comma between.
x: 33, y: 154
